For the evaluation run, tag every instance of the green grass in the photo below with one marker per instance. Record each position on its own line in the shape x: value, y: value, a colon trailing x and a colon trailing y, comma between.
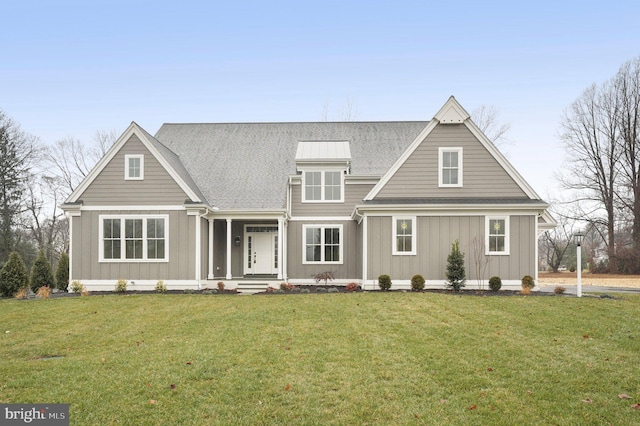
x: 394, y: 358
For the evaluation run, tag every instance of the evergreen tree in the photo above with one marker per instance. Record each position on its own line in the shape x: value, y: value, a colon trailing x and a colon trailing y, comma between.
x: 13, y: 276
x: 41, y: 273
x: 456, y: 275
x: 62, y: 272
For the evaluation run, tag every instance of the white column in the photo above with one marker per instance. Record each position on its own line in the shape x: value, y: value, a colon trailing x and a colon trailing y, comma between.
x: 364, y: 251
x: 229, y: 239
x: 210, y: 254
x: 70, y: 218
x: 198, y: 250
x: 579, y: 287
x: 280, y: 243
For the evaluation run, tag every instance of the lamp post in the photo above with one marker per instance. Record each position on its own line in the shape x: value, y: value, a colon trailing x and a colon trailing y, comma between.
x: 579, y: 237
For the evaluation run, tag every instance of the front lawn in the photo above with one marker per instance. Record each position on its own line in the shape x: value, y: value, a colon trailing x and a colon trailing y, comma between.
x: 361, y: 358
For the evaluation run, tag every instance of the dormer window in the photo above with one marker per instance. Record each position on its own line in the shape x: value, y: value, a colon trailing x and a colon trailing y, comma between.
x: 450, y: 167
x: 134, y: 167
x: 323, y: 165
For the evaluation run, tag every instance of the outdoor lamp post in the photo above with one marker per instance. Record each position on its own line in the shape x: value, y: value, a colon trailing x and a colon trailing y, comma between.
x: 579, y: 236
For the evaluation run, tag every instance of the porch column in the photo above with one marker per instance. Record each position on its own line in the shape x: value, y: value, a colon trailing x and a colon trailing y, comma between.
x: 365, y: 254
x: 280, y: 247
x: 210, y: 265
x: 229, y: 276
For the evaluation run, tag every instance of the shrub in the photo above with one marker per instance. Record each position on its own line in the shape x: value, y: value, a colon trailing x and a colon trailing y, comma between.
x: 417, y: 282
x: 23, y: 293
x: 526, y: 291
x: 270, y: 289
x: 324, y: 276
x: 305, y: 290
x: 321, y: 290
x: 456, y: 275
x: 77, y: 287
x: 43, y: 292
x: 559, y: 290
x: 353, y: 287
x: 572, y: 268
x: 41, y: 273
x: 333, y: 290
x: 161, y: 287
x: 286, y: 286
x: 528, y: 282
x: 121, y: 286
x: 384, y: 281
x: 62, y: 272
x: 220, y: 286
x: 13, y: 276
x: 495, y: 283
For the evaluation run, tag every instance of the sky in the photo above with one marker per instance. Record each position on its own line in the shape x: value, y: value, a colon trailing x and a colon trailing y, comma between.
x: 72, y: 68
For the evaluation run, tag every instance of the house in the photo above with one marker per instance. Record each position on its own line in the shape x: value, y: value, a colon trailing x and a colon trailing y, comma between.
x: 256, y: 204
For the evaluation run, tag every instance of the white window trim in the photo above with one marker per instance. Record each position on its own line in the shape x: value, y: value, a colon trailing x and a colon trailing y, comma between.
x: 507, y: 236
x: 394, y: 231
x: 126, y: 166
x: 322, y: 244
x: 441, y: 151
x: 123, y: 258
x: 322, y: 186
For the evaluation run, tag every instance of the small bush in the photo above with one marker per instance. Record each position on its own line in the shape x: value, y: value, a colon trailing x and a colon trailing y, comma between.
x: 270, y: 289
x: 43, y: 292
x: 526, y: 291
x: 528, y: 282
x: 417, y: 283
x: 23, y: 293
x: 572, y: 268
x: 456, y: 274
x: 324, y: 276
x: 121, y: 286
x: 353, y: 287
x: 41, y: 273
x: 305, y: 290
x: 321, y: 290
x: 333, y: 290
x: 384, y: 281
x: 221, y: 286
x: 279, y: 291
x: 161, y: 287
x: 77, y: 287
x: 13, y: 276
x: 85, y: 292
x: 210, y: 291
x: 286, y: 286
x: 62, y: 272
x: 559, y: 290
x: 495, y: 283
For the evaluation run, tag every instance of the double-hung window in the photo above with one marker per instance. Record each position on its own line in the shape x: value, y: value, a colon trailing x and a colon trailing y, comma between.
x: 450, y: 167
x: 134, y: 167
x: 133, y: 238
x: 323, y: 186
x: 322, y: 244
x: 404, y: 235
x: 497, y: 235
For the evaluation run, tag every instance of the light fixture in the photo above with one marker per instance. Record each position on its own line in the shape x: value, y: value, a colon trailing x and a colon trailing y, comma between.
x: 237, y: 241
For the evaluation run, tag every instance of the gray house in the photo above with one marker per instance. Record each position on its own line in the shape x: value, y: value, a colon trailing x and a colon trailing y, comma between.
x: 256, y: 204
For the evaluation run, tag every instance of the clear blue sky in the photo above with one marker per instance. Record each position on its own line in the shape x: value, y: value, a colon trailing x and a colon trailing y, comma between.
x: 70, y: 68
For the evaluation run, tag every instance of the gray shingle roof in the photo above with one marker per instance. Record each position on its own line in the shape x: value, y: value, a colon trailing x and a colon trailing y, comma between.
x: 246, y: 165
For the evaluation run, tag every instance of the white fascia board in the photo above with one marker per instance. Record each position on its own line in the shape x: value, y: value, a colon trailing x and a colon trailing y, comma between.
x: 249, y: 214
x: 447, y: 210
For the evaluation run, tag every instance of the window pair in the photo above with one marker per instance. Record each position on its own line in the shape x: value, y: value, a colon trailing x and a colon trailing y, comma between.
x: 323, y: 186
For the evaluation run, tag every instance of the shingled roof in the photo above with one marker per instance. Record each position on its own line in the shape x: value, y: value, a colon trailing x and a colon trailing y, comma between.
x: 247, y: 165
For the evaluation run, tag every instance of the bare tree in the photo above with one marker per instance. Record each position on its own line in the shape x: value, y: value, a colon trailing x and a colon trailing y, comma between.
x: 349, y: 113
x: 487, y: 118
x: 480, y: 259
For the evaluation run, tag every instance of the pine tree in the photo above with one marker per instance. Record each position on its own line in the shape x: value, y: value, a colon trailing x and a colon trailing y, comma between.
x: 13, y: 276
x: 456, y: 275
x: 41, y: 273
x: 62, y: 272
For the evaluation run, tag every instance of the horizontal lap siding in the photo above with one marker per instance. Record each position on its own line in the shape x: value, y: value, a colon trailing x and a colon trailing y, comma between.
x: 110, y: 187
x: 349, y: 269
x: 86, y: 240
x: 434, y: 237
x: 483, y: 176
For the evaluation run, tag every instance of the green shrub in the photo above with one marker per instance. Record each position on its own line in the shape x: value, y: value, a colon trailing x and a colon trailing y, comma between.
x: 528, y: 282
x: 384, y: 281
x: 456, y: 275
x: 121, y: 286
x: 305, y: 290
x: 572, y: 268
x: 13, y: 276
x: 41, y: 273
x: 77, y: 287
x: 333, y: 290
x: 417, y: 282
x: 495, y: 283
x: 62, y: 272
x: 161, y: 287
x: 321, y: 290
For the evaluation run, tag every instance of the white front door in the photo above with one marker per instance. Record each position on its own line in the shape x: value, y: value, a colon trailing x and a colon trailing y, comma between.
x: 260, y: 253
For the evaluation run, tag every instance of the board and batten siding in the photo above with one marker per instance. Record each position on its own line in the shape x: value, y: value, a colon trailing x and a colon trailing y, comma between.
x: 348, y: 270
x: 434, y: 237
x: 483, y: 176
x: 354, y: 193
x: 111, y: 189
x: 86, y: 243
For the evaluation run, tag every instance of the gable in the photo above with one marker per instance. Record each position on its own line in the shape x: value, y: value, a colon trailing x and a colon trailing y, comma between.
x: 109, y: 187
x: 484, y: 177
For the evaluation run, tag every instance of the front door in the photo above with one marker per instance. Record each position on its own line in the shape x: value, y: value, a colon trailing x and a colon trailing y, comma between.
x: 261, y: 248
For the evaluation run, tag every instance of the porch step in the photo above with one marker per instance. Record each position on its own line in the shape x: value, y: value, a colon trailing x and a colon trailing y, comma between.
x: 249, y: 287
